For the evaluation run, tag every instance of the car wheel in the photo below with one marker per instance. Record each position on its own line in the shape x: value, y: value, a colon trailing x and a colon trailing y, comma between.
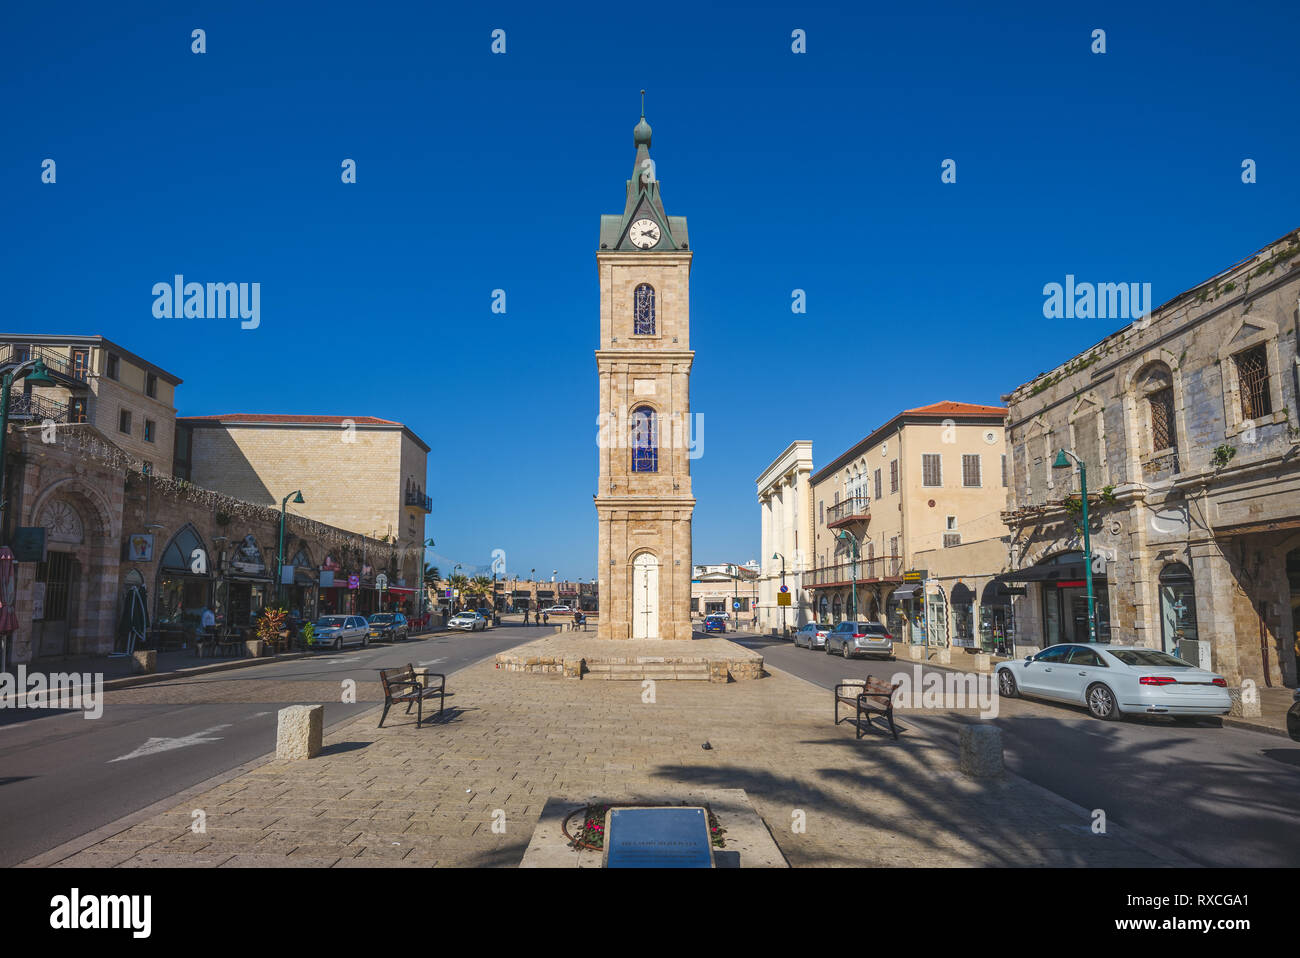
x: 844, y: 651
x: 338, y: 644
x: 1101, y: 703
x: 365, y: 640
x: 1007, y: 684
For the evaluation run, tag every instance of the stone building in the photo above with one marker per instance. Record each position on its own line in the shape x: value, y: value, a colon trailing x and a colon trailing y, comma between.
x: 121, y: 394
x: 359, y: 473
x: 931, y: 478
x: 111, y: 529
x: 726, y: 587
x: 786, y: 515
x: 1186, y: 424
x: 643, y: 498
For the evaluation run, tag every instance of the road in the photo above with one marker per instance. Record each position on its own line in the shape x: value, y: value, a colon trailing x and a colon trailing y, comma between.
x: 1216, y: 794
x: 62, y: 775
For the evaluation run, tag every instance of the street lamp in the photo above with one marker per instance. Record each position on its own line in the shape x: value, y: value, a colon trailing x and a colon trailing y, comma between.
x: 279, y: 564
x: 1063, y: 459
x: 845, y: 534
x: 425, y: 599
x: 777, y: 555
x: 34, y: 372
x: 454, y: 597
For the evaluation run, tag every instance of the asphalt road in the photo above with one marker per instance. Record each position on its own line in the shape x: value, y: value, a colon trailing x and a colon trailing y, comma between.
x: 62, y: 775
x: 1218, y: 795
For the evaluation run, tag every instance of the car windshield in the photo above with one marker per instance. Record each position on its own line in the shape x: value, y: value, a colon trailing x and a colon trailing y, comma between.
x: 381, y: 618
x: 847, y: 627
x: 331, y: 622
x: 1150, y: 657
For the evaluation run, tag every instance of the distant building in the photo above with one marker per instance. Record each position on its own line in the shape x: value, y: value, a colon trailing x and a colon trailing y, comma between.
x: 725, y: 587
x: 786, y: 518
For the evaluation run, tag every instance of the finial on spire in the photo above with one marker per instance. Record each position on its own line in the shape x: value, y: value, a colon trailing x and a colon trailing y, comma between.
x: 643, y: 104
x: 641, y: 134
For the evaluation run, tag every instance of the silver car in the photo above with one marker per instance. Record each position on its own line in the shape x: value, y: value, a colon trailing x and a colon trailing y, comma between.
x: 336, y: 631
x: 851, y: 639
x: 811, y: 636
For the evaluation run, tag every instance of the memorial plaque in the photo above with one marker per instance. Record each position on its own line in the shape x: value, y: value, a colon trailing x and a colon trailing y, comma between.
x: 674, y: 836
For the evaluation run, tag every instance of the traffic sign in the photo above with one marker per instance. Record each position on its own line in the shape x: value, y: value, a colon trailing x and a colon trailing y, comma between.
x: 785, y: 588
x: 354, y: 582
x: 381, y: 582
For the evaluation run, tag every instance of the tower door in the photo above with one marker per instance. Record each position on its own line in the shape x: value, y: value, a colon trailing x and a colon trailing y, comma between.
x: 645, y: 597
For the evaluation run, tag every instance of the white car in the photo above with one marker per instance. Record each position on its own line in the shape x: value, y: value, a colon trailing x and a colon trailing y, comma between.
x: 558, y: 610
x: 1115, y: 680
x: 469, y: 621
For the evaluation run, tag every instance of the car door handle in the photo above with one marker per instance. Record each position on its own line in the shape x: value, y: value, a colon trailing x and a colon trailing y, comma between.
x: 1083, y: 673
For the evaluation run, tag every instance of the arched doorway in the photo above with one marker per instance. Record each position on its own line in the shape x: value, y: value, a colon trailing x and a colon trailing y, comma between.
x: 823, y: 611
x: 963, y: 616
x: 645, y: 597
x: 1177, y: 606
x: 837, y: 611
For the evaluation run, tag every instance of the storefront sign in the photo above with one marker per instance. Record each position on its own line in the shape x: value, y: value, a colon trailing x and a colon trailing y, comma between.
x: 139, y: 548
x: 354, y: 582
x: 916, y: 575
x: 247, y: 558
x: 326, y: 578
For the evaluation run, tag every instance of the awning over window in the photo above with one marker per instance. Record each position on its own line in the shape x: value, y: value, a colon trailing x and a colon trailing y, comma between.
x: 904, y: 592
x: 1045, y: 573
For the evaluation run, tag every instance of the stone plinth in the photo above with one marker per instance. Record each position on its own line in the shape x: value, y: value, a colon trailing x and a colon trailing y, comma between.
x: 982, y: 662
x: 1245, y: 703
x: 941, y: 656
x: 144, y: 662
x: 981, y: 751
x: 299, y: 732
x: 577, y: 656
x: 253, y: 647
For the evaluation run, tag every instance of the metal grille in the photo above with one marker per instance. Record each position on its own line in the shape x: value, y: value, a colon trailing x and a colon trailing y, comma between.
x: 931, y: 470
x: 972, y: 471
x: 1162, y: 419
x: 644, y: 317
x: 1252, y: 381
x: 951, y: 539
x: 645, y: 441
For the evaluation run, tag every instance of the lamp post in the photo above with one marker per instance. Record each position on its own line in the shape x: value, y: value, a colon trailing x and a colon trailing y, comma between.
x: 34, y: 372
x: 853, y: 543
x: 777, y: 555
x: 279, y: 564
x: 426, y: 603
x: 454, y: 590
x: 1063, y: 459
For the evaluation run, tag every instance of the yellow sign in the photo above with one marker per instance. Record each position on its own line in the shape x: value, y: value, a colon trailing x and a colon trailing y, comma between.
x: 783, y: 598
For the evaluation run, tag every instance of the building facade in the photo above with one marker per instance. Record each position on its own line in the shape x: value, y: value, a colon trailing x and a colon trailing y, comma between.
x: 931, y: 478
x: 726, y: 588
x: 1186, y: 424
x: 785, y: 500
x: 643, y: 502
x: 125, y: 397
x: 359, y: 473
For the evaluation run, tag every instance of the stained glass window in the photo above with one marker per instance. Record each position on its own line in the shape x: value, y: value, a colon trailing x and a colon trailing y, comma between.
x: 645, y: 441
x: 644, y: 318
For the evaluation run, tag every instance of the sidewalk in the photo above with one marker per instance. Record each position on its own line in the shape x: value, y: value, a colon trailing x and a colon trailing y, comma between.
x: 406, y: 797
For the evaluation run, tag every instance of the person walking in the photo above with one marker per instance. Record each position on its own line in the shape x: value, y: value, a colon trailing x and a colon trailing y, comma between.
x: 546, y: 618
x: 537, y: 617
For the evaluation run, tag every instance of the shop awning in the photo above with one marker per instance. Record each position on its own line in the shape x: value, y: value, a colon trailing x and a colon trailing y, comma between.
x: 400, y: 590
x: 904, y: 592
x: 1044, y: 573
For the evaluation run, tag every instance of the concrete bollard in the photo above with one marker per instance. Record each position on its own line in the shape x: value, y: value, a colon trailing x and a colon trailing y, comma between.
x: 299, y: 732
x: 982, y: 661
x: 144, y: 662
x: 253, y: 648
x: 981, y: 751
x: 1244, y: 706
x: 916, y: 652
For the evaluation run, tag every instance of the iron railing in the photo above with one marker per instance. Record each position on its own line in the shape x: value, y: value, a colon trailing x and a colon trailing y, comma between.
x: 36, y: 407
x: 852, y: 508
x: 13, y: 355
x: 869, y: 570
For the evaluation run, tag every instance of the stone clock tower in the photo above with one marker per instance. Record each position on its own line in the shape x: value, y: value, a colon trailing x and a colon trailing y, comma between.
x: 643, y: 500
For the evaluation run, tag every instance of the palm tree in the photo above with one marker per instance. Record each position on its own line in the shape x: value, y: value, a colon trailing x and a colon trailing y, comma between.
x: 459, y: 583
x: 431, y: 574
x: 481, y: 586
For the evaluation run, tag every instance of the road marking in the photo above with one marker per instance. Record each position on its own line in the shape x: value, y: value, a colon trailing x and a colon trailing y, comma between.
x: 156, y: 745
x: 432, y: 662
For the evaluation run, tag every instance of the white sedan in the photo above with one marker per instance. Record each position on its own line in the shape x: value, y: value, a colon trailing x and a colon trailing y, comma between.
x: 1114, y: 680
x: 469, y: 621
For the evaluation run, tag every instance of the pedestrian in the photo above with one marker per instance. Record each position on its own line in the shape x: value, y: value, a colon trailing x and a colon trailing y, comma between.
x: 546, y: 618
x: 537, y: 617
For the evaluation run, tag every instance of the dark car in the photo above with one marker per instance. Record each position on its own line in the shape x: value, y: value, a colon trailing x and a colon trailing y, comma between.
x: 487, y: 614
x: 715, y: 623
x: 389, y: 626
x: 1293, y: 718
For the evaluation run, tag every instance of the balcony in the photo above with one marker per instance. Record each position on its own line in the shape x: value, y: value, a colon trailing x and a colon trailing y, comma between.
x: 879, y: 569
x: 416, y: 498
x: 852, y: 509
x: 59, y: 367
x: 35, y: 408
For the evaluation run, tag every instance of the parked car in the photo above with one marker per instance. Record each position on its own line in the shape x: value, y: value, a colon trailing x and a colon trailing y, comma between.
x: 1114, y: 680
x: 488, y: 615
x: 851, y: 639
x: 389, y: 626
x: 1293, y: 718
x: 468, y: 621
x: 715, y: 623
x: 811, y: 636
x: 558, y: 610
x: 336, y: 631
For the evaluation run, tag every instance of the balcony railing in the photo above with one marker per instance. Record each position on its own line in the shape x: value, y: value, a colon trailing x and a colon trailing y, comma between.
x: 417, y: 498
x: 36, y: 408
x: 869, y: 570
x: 852, y: 509
x: 11, y: 355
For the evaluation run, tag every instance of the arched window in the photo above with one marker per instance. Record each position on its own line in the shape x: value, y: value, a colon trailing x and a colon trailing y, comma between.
x: 179, y: 554
x: 1155, y: 386
x: 643, y: 322
x: 1177, y: 606
x: 645, y: 440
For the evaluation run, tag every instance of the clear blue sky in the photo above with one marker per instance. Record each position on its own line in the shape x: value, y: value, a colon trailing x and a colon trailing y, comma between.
x: 478, y: 171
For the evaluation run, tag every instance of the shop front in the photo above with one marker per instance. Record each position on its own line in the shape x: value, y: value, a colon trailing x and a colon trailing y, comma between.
x: 1063, y: 598
x: 906, y: 614
x: 997, y: 618
x: 963, y: 616
x: 184, y: 584
x: 247, y: 586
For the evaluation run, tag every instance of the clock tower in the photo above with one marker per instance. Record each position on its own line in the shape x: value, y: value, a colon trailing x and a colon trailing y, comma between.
x: 643, y: 500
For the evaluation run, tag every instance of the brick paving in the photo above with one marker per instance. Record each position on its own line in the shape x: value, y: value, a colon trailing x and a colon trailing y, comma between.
x: 399, y: 796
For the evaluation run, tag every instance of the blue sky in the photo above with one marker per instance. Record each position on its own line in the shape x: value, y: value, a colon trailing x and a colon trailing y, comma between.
x: 477, y: 172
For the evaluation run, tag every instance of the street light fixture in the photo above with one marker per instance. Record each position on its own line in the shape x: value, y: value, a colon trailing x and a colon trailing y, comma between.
x: 425, y: 599
x: 34, y: 372
x: 777, y: 555
x: 279, y: 564
x: 1063, y: 459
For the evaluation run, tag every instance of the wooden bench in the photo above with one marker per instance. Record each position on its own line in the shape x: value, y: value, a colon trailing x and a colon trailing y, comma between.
x: 402, y: 685
x: 870, y: 696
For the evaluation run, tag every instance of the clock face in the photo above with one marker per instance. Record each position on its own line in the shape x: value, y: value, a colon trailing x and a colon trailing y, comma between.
x: 644, y: 233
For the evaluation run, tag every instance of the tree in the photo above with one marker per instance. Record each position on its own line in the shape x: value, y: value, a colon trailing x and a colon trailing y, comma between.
x: 431, y: 574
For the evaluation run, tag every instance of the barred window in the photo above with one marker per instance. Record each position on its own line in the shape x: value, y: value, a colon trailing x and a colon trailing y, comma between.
x: 877, y: 477
x: 645, y: 441
x: 931, y: 469
x: 893, y: 476
x: 644, y: 318
x: 951, y: 539
x: 1162, y: 419
x: 1252, y: 383
x: 972, y: 471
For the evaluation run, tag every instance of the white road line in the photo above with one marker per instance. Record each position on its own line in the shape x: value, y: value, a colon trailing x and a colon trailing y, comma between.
x: 156, y: 745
